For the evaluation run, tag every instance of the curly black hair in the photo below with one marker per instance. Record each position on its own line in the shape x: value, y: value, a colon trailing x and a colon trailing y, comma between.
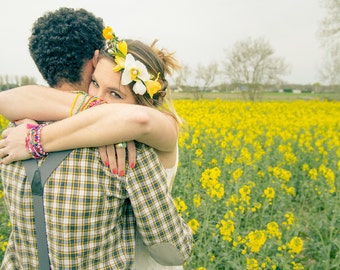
x: 62, y: 41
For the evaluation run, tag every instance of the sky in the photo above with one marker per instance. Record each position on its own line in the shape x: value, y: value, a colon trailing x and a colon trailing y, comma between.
x: 198, y: 31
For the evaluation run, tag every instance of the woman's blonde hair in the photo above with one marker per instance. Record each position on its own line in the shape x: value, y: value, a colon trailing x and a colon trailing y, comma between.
x: 159, y: 63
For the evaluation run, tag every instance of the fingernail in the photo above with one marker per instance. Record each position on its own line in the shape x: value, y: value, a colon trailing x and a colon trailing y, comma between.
x: 132, y: 165
x: 121, y: 173
x: 29, y: 125
x: 106, y: 163
x: 114, y: 171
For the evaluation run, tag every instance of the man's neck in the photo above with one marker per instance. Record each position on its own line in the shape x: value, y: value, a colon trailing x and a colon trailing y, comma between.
x: 69, y: 87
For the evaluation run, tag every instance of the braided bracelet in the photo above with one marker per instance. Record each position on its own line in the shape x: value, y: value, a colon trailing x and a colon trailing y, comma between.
x: 33, y: 142
x: 95, y: 101
x: 92, y: 102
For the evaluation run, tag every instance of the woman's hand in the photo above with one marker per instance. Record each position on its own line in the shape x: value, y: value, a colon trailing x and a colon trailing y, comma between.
x: 114, y: 156
x: 12, y: 145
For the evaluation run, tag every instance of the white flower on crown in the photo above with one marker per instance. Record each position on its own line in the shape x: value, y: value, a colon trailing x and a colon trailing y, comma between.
x: 135, y: 71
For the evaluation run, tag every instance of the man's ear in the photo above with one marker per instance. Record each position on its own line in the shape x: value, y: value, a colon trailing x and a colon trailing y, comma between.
x: 95, y: 58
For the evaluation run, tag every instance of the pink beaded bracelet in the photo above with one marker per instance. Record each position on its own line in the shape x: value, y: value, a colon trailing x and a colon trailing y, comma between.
x: 33, y: 142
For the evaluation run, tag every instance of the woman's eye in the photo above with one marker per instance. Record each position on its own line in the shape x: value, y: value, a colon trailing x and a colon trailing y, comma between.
x: 114, y: 94
x: 94, y: 83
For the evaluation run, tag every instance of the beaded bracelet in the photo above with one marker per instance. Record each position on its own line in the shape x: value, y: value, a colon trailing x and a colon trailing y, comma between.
x: 74, y: 103
x: 33, y: 142
x: 95, y: 101
x: 86, y: 103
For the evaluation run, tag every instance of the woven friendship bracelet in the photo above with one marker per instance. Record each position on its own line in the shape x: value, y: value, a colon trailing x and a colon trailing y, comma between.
x: 82, y: 103
x: 95, y: 102
x: 92, y: 102
x: 74, y: 103
x: 87, y: 102
x: 33, y: 142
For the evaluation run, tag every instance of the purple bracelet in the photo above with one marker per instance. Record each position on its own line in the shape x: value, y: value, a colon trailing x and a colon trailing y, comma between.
x: 33, y: 142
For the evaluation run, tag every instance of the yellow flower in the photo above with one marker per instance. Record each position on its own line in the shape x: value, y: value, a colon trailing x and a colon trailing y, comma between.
x: 305, y: 167
x: 227, y: 229
x: 313, y: 174
x: 214, y: 162
x: 229, y: 160
x: 4, y: 246
x: 245, y: 190
x: 269, y: 193
x: 237, y: 174
x: 229, y: 214
x: 273, y: 230
x: 120, y: 61
x: 210, y: 183
x: 256, y: 240
x: 295, y: 245
x: 291, y: 191
x: 180, y: 205
x: 281, y: 173
x: 290, y: 218
x: 194, y: 225
x: 197, y: 200
x: 252, y: 264
x: 108, y: 33
x: 122, y: 47
x: 199, y: 153
x: 152, y: 87
x: 290, y: 158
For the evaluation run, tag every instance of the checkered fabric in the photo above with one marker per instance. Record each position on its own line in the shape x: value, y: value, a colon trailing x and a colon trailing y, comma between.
x: 91, y: 215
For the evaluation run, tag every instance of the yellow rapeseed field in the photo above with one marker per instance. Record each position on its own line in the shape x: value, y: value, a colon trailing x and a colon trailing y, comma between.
x: 258, y: 183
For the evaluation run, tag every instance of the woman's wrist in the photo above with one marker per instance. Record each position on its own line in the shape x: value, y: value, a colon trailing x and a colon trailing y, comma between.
x: 33, y: 141
x: 83, y: 101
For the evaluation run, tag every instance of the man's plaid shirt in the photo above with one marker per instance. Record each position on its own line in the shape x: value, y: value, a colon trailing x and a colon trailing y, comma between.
x: 91, y: 215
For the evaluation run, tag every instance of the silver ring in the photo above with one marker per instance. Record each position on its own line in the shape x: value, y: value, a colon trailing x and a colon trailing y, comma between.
x: 121, y: 145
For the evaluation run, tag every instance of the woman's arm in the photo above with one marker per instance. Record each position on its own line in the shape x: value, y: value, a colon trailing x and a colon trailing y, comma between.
x: 112, y: 123
x: 101, y: 125
x: 35, y: 102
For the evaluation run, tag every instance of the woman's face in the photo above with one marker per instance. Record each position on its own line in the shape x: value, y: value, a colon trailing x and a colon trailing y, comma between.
x: 106, y: 85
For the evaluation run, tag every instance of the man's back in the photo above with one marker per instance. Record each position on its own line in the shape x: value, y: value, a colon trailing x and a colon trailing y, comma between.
x: 89, y: 219
x: 84, y: 211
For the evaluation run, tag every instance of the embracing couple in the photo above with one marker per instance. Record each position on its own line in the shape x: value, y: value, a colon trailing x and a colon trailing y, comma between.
x: 98, y: 211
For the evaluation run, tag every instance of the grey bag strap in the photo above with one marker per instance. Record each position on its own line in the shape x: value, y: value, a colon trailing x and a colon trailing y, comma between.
x: 38, y: 177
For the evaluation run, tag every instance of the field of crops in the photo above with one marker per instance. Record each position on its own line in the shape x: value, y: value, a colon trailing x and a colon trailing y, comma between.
x: 258, y: 184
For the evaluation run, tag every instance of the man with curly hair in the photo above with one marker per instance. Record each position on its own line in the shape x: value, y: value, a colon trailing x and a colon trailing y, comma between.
x: 88, y: 218
x: 62, y: 45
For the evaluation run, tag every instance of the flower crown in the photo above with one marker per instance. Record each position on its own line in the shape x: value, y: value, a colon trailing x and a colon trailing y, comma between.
x: 133, y: 70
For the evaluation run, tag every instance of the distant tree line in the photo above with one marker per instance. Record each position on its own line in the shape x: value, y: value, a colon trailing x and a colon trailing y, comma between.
x: 8, y: 82
x: 250, y: 67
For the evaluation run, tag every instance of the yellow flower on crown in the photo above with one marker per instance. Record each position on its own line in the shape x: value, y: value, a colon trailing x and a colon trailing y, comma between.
x: 132, y: 70
x: 120, y: 61
x: 153, y: 86
x: 108, y: 33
